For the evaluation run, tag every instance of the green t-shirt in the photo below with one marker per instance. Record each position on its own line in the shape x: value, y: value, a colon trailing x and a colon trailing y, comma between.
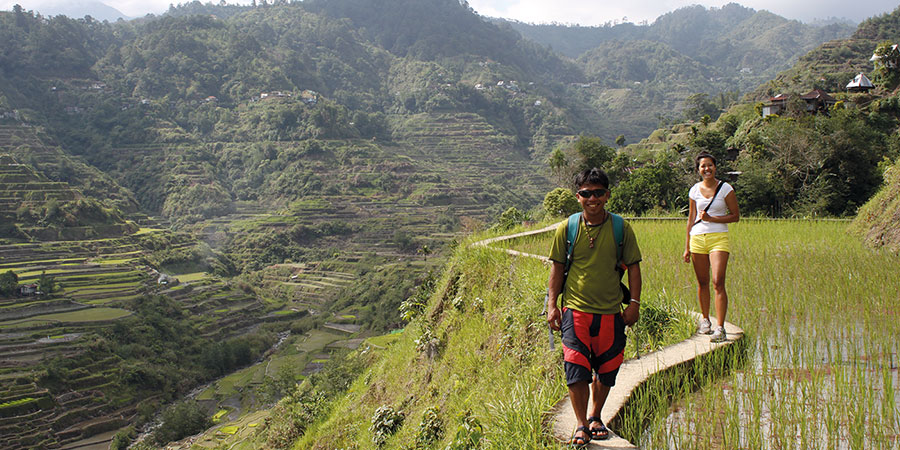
x: 593, y: 282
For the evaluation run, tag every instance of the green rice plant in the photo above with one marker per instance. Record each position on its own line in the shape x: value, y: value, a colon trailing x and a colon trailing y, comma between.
x: 19, y: 402
x: 817, y: 306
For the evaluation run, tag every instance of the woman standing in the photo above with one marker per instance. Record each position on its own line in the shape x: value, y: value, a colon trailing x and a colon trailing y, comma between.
x: 713, y: 205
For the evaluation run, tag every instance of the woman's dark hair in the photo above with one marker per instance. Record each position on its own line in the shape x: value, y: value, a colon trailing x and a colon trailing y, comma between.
x: 592, y: 176
x: 701, y: 156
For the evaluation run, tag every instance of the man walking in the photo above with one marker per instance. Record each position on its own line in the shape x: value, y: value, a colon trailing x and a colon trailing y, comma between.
x: 590, y: 314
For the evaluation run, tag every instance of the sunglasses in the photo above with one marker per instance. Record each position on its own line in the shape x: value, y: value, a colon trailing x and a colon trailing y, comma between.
x: 587, y: 193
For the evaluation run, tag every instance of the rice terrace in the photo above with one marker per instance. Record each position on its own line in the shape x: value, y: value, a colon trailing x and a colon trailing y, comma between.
x: 287, y: 224
x: 820, y: 310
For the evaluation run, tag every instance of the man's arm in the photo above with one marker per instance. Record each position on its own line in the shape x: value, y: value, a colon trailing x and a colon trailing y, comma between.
x: 632, y: 313
x: 554, y: 288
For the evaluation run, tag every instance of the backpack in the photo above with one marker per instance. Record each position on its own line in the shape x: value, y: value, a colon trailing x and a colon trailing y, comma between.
x: 618, y: 234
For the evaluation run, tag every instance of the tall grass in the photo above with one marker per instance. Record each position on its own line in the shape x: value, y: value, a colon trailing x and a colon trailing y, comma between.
x: 819, y: 369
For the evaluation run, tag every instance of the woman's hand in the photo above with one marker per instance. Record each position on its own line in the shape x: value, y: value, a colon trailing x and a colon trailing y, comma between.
x: 704, y: 216
x: 686, y: 256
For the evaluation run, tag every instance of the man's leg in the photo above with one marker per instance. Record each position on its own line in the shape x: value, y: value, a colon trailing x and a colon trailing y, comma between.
x: 600, y: 391
x: 579, y: 394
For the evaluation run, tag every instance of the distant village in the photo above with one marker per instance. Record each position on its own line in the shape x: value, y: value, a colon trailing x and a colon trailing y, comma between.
x: 818, y: 100
x: 306, y: 96
x: 815, y: 100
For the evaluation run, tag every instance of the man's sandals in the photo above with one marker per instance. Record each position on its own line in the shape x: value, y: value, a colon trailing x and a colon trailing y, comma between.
x: 580, y: 441
x: 600, y: 433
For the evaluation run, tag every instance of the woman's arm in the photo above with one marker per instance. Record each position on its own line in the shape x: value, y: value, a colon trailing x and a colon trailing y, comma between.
x: 692, y: 214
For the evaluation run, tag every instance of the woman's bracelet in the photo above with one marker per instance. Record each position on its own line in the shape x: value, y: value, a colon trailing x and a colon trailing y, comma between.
x: 634, y: 300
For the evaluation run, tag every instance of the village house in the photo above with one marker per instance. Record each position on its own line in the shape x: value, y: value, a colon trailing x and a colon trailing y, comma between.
x: 309, y: 97
x: 167, y: 280
x: 818, y: 100
x: 815, y: 100
x: 888, y: 60
x: 14, y: 114
x: 28, y: 289
x: 775, y: 105
x: 860, y: 83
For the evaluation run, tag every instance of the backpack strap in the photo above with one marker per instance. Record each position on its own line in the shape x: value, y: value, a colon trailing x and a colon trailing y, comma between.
x: 571, y: 235
x: 619, y: 234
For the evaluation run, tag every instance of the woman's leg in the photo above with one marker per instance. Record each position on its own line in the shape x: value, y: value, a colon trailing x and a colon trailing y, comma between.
x: 701, y: 269
x: 719, y: 263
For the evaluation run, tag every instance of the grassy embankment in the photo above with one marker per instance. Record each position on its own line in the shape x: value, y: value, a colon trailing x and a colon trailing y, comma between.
x: 478, y: 351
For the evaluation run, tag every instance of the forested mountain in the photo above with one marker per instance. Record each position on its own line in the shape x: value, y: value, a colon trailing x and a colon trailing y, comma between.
x: 733, y: 48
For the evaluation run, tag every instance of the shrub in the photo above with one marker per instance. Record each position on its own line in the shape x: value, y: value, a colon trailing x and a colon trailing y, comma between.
x: 468, y: 434
x: 428, y: 344
x: 561, y: 202
x: 385, y: 423
x: 183, y: 419
x: 290, y: 417
x: 431, y: 429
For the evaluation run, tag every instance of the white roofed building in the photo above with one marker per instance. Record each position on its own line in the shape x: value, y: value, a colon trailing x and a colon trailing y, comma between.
x: 860, y: 83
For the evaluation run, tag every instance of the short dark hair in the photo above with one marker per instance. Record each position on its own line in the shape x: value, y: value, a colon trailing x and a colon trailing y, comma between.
x: 592, y: 176
x: 704, y: 155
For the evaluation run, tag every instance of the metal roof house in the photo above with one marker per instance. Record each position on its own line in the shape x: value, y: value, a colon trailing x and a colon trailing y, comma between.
x: 860, y: 83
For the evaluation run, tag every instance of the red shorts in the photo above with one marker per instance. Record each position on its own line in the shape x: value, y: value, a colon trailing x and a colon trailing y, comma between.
x: 592, y: 343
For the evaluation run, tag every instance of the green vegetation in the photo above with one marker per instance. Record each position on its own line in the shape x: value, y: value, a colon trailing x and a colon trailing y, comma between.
x: 181, y: 420
x: 320, y: 159
x: 482, y: 323
x: 442, y: 346
x: 814, y: 361
x: 877, y: 219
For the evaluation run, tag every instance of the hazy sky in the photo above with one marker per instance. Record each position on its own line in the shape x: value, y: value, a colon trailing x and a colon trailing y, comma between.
x: 583, y: 12
x: 587, y: 12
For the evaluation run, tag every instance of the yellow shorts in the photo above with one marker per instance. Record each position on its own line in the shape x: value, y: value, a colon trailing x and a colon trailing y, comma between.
x: 705, y: 244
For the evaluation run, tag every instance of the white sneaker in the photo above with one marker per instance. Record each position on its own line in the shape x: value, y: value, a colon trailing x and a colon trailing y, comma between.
x: 718, y: 335
x: 704, y: 326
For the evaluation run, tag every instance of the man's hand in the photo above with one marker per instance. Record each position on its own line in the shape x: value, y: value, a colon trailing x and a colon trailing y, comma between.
x: 631, y: 314
x: 553, y: 318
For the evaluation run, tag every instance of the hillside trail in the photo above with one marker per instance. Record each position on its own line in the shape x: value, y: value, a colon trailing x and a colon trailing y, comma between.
x: 632, y: 373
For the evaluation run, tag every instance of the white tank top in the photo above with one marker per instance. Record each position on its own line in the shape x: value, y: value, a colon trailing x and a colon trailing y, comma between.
x: 718, y: 208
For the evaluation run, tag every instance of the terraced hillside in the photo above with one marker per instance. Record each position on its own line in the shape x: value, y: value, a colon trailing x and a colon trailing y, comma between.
x: 94, y: 280
x: 346, y: 200
x: 33, y: 147
x: 21, y: 186
x: 46, y: 403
